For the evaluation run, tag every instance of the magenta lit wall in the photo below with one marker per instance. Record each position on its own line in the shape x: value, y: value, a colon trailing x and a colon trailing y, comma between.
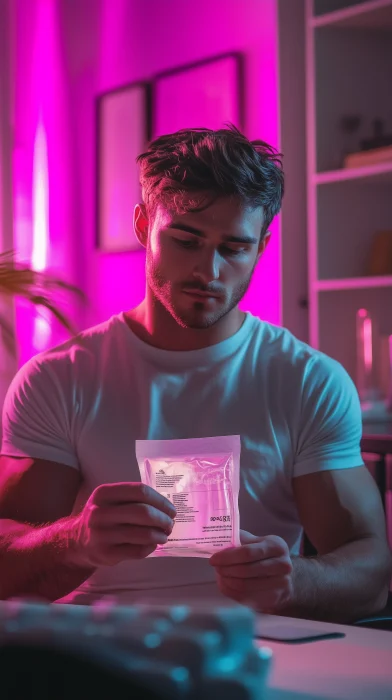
x: 45, y: 226
x: 66, y: 54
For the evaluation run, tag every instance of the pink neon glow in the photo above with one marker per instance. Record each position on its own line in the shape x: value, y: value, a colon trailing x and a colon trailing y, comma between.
x: 45, y: 189
x: 367, y: 343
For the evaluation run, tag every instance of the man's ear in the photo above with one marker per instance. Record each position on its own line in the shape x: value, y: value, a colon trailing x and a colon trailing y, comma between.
x: 140, y: 224
x: 263, y: 243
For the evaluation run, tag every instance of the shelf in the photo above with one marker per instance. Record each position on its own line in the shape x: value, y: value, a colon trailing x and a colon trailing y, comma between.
x: 353, y: 283
x: 369, y: 173
x: 374, y: 14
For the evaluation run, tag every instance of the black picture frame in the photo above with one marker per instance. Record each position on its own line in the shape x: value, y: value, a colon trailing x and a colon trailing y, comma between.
x: 215, y: 86
x: 123, y: 129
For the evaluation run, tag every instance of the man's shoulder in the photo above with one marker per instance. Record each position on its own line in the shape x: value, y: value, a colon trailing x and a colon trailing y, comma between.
x: 280, y: 345
x: 81, y: 350
x: 90, y: 339
x: 80, y: 362
x: 279, y: 349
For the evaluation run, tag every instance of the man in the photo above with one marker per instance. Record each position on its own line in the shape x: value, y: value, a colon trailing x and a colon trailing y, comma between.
x: 77, y: 524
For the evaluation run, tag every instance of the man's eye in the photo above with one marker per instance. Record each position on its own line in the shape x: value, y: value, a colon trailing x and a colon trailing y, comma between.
x: 186, y: 244
x: 232, y: 251
x: 192, y: 245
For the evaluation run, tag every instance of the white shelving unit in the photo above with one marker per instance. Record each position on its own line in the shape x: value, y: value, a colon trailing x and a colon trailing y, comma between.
x: 348, y: 74
x: 354, y: 283
x: 372, y: 174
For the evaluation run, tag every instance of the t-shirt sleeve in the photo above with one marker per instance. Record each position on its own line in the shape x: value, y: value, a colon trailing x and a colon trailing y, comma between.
x: 35, y: 416
x: 330, y: 427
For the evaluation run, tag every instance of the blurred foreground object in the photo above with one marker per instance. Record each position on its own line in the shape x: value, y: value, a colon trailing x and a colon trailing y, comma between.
x: 174, y: 652
x: 39, y: 288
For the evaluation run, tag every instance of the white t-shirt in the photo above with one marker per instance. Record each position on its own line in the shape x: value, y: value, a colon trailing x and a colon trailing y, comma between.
x: 85, y: 403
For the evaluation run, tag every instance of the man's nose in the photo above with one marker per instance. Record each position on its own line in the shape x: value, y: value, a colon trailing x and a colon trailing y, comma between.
x: 207, y: 269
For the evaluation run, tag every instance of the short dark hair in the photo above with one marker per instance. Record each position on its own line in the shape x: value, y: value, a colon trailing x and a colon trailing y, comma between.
x: 216, y: 163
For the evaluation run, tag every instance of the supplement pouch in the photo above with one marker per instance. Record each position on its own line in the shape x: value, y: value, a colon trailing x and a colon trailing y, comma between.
x: 200, y: 477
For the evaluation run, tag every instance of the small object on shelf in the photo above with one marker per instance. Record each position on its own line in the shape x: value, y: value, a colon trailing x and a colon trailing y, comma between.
x: 374, y: 406
x: 368, y: 394
x: 380, y: 260
x: 379, y: 139
x: 372, y: 151
x: 349, y: 126
x: 364, y: 355
x: 374, y: 156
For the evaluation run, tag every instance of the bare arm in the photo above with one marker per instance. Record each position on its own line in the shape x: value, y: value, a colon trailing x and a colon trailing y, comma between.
x: 36, y: 557
x: 119, y: 521
x: 342, y: 514
x: 339, y: 509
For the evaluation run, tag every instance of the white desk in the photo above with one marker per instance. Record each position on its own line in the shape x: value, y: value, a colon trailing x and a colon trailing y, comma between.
x: 356, y: 667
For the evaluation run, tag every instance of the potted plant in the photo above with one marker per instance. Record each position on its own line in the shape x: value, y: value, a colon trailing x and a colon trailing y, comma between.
x: 39, y: 288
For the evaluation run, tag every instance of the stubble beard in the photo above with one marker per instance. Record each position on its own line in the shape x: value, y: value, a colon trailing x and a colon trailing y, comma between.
x: 196, y: 318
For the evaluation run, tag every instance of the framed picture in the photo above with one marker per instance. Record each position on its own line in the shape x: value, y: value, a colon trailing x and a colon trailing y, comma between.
x: 123, y: 131
x: 204, y: 94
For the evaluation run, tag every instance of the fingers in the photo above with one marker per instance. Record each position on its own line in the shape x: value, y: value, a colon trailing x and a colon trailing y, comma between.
x: 128, y: 492
x: 122, y: 521
x: 264, y: 548
x: 259, y: 573
x: 130, y: 514
x: 280, y: 566
x: 247, y: 537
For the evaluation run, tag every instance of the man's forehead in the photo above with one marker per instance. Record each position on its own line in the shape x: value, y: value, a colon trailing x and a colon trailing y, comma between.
x: 222, y: 211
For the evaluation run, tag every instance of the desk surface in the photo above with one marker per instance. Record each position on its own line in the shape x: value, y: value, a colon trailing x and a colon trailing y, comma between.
x: 356, y: 667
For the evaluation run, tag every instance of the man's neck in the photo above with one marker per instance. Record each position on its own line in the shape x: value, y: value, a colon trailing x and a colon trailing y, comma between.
x: 157, y: 327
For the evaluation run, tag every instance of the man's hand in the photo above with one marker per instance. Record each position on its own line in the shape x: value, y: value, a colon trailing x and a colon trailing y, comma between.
x: 120, y: 521
x: 257, y: 574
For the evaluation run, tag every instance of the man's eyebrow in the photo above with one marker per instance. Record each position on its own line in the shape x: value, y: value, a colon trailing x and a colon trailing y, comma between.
x: 229, y: 238
x: 250, y: 240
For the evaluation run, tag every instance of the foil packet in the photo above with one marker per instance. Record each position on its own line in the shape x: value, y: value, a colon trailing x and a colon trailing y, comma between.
x: 201, y: 478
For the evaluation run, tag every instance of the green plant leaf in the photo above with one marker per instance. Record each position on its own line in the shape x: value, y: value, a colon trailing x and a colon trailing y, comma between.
x: 39, y: 288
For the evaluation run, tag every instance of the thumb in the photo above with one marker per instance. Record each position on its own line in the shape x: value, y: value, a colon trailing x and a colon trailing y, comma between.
x: 248, y: 538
